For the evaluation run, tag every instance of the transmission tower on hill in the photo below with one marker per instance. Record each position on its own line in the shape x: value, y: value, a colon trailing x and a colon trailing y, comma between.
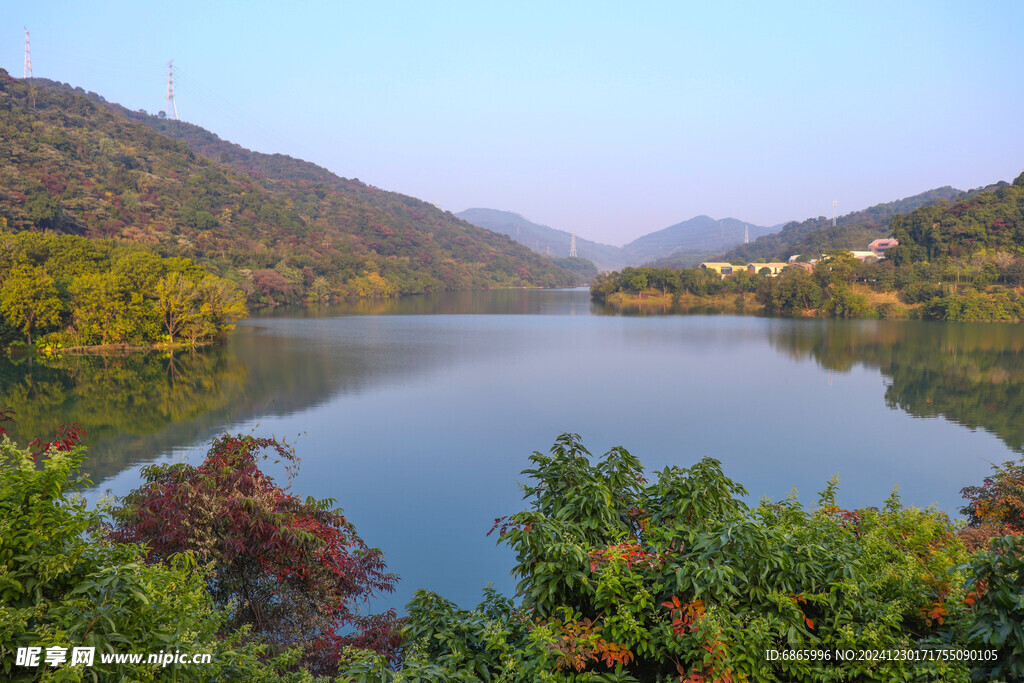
x: 28, y: 57
x: 572, y: 246
x: 170, y: 106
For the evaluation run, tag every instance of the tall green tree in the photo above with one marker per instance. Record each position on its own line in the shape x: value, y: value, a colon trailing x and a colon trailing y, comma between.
x: 29, y: 299
x: 100, y: 305
x: 176, y: 297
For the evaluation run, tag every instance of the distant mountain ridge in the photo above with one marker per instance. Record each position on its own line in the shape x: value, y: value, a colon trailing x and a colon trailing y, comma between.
x: 702, y: 238
x: 690, y: 241
x: 544, y: 239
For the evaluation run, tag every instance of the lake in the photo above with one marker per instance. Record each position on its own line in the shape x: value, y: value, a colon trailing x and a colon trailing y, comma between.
x: 418, y: 415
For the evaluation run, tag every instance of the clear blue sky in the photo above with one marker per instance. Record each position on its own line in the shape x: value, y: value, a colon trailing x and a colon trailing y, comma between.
x: 611, y: 119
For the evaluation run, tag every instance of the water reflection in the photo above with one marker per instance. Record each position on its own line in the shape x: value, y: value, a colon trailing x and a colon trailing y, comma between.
x: 117, y: 398
x: 136, y: 408
x: 417, y: 415
x: 970, y: 374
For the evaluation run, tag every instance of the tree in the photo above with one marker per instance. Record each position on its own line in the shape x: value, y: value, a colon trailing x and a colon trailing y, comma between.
x: 294, y: 571
x: 836, y: 267
x: 100, y: 307
x: 29, y: 299
x: 794, y: 290
x: 999, y: 501
x: 44, y: 209
x: 176, y: 301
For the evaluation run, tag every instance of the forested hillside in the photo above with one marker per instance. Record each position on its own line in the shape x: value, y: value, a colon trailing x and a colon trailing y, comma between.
x: 854, y: 230
x: 990, y: 222
x: 70, y: 165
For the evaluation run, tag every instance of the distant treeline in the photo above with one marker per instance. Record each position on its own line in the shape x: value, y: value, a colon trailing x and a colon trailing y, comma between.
x: 959, y: 262
x: 72, y: 291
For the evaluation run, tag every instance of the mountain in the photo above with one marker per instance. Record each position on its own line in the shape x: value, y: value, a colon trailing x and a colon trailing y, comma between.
x: 543, y: 239
x: 990, y: 220
x: 691, y: 241
x: 284, y: 229
x: 852, y: 231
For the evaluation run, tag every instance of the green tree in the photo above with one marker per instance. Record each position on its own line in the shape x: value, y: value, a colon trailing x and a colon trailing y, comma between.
x: 220, y: 305
x: 44, y: 209
x: 100, y: 309
x: 794, y: 290
x: 176, y: 300
x: 29, y: 300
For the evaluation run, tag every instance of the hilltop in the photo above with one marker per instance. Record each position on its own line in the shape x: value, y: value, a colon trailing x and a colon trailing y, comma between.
x: 852, y: 231
x: 283, y: 229
x: 543, y: 239
x: 687, y: 242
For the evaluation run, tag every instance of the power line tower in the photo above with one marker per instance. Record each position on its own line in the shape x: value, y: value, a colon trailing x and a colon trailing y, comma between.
x: 746, y: 234
x: 28, y: 57
x: 170, y: 106
x: 834, y: 203
x: 572, y: 246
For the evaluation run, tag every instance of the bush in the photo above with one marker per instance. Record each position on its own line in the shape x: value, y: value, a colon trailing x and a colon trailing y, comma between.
x: 63, y: 585
x: 293, y: 571
x: 627, y: 579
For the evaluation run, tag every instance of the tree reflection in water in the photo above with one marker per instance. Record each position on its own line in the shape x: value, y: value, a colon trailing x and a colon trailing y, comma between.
x: 970, y: 374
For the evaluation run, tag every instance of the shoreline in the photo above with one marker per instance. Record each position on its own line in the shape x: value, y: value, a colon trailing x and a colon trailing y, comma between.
x: 106, y: 349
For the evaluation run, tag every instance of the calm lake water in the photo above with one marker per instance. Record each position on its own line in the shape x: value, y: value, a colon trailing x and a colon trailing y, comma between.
x: 418, y: 415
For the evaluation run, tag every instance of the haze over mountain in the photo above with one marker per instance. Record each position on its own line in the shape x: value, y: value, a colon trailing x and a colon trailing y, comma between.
x: 701, y: 238
x: 544, y: 239
x: 689, y: 241
x: 283, y: 228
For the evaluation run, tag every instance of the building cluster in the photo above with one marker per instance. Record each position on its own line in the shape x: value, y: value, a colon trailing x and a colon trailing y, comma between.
x: 876, y: 250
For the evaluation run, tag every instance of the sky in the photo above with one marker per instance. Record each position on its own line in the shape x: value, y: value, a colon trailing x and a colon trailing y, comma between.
x: 608, y: 119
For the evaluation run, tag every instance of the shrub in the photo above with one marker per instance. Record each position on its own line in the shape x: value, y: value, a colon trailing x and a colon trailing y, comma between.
x: 624, y: 578
x: 294, y: 571
x: 63, y: 585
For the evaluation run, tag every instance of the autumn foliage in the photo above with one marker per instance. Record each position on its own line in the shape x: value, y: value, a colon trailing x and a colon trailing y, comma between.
x: 294, y: 570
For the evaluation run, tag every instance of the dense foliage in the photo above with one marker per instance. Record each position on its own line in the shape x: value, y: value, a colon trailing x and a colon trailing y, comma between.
x: 71, y: 291
x: 852, y: 231
x: 286, y: 230
x: 64, y: 584
x: 625, y: 578
x: 294, y: 571
x: 990, y: 222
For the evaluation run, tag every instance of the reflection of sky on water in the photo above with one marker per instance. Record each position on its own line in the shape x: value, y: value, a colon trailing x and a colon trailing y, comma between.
x: 419, y: 423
